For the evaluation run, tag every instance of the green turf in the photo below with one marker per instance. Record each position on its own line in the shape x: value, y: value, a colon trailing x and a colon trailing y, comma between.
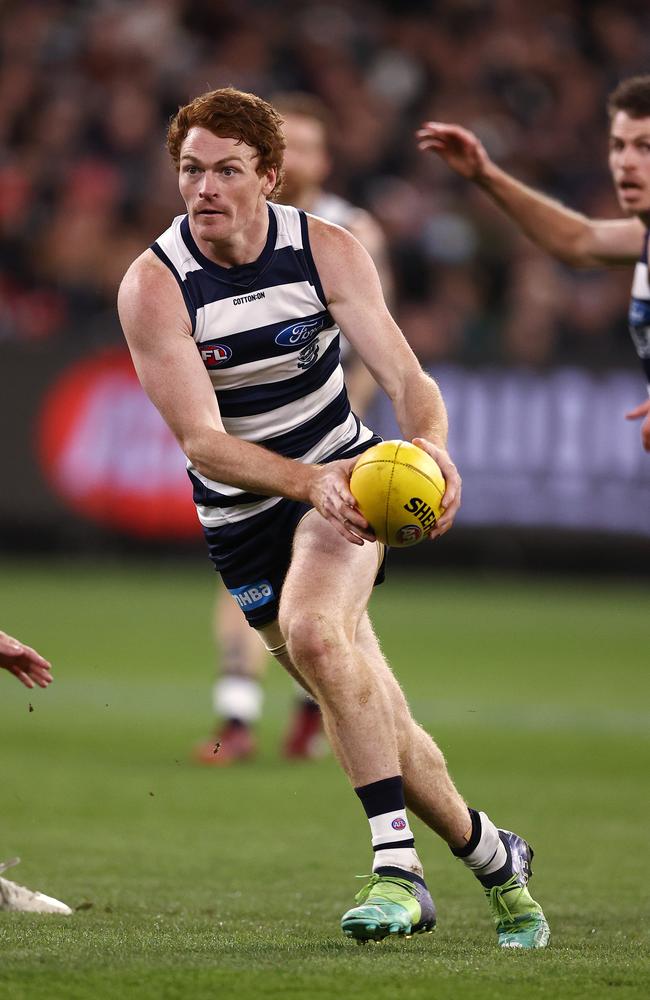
x: 197, y: 884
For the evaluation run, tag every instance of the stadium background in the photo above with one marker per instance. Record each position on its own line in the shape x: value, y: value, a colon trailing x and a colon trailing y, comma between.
x: 535, y: 359
x: 534, y: 685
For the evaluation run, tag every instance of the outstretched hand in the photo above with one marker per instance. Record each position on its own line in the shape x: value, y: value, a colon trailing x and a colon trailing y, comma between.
x: 458, y: 147
x: 451, y: 499
x: 24, y: 662
x: 642, y: 411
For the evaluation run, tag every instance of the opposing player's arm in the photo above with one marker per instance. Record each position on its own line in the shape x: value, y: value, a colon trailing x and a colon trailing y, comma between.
x: 355, y: 300
x: 158, y: 331
x: 567, y: 235
x: 24, y: 662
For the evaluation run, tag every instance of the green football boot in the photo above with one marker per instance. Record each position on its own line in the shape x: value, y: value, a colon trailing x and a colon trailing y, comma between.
x: 389, y: 904
x: 520, y: 921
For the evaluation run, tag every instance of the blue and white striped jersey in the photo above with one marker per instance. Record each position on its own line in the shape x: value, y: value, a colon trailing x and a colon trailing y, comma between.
x: 271, y: 349
x: 639, y: 312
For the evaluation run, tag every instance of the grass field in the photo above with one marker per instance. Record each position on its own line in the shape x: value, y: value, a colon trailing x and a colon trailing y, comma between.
x: 195, y: 883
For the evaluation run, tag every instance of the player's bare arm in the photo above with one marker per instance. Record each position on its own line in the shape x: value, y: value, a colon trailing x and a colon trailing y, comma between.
x: 567, y: 235
x: 355, y: 300
x: 24, y: 662
x: 158, y: 332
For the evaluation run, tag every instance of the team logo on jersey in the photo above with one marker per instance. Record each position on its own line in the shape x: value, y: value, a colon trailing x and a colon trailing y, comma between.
x: 309, y: 355
x: 299, y: 334
x: 215, y: 355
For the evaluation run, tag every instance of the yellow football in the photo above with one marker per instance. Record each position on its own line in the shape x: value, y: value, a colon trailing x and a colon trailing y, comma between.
x: 399, y: 491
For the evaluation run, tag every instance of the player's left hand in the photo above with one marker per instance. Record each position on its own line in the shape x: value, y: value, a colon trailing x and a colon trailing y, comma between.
x: 451, y: 499
x: 642, y: 411
x: 24, y: 662
x: 331, y: 496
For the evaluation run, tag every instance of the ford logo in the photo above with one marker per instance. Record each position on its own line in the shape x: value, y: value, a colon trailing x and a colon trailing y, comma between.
x: 299, y: 334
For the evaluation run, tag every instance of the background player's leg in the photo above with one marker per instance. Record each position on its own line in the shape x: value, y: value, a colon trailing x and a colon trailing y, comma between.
x: 237, y: 692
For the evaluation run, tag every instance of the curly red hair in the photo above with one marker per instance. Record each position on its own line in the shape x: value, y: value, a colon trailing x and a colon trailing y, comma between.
x: 233, y: 114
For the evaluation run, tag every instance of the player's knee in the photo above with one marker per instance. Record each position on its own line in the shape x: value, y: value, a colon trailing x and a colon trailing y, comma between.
x: 316, y: 643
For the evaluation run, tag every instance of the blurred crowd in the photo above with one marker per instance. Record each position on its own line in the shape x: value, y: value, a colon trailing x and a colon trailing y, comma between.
x: 86, y: 89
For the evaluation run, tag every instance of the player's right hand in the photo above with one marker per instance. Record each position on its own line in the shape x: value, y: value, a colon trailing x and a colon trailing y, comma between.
x: 451, y: 499
x: 643, y: 410
x: 458, y: 147
x: 331, y: 496
x: 24, y: 662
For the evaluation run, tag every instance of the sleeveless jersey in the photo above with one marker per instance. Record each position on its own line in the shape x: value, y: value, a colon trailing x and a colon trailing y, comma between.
x: 271, y: 349
x: 639, y: 312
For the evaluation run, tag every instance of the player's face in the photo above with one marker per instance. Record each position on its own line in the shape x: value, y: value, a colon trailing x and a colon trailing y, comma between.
x: 629, y: 162
x: 306, y: 162
x: 220, y: 185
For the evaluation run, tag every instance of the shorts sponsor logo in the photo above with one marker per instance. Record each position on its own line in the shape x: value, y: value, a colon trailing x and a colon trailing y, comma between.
x: 408, y: 534
x: 398, y: 824
x: 253, y: 595
x: 299, y: 334
x: 215, y: 355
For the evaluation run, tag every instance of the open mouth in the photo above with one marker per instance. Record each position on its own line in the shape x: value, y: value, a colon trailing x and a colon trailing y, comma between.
x: 209, y: 211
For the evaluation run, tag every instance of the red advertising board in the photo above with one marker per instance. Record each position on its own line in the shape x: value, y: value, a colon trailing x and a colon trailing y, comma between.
x: 107, y: 453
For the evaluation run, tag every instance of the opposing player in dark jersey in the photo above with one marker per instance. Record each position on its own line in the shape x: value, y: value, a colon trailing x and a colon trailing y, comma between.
x: 233, y: 320
x: 238, y: 692
x: 571, y: 237
x: 31, y: 669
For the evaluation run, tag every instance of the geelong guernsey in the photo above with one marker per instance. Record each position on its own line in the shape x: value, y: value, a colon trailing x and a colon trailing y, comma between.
x: 271, y: 349
x: 639, y: 312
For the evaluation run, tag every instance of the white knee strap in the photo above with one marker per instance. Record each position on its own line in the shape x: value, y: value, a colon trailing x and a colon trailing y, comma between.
x: 272, y: 638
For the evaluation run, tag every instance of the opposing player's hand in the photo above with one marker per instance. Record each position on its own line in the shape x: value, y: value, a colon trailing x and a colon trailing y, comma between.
x: 642, y: 411
x: 451, y: 499
x: 458, y: 147
x: 330, y: 495
x: 24, y: 662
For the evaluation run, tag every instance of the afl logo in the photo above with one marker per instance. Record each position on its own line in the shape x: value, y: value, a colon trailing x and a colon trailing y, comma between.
x: 398, y: 824
x: 409, y: 534
x: 299, y: 334
x: 215, y: 355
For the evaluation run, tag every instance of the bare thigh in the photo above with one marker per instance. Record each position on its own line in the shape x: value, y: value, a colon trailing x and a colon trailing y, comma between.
x: 328, y: 576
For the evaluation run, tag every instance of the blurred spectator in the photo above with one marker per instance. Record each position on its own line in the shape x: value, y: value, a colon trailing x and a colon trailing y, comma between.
x: 86, y: 89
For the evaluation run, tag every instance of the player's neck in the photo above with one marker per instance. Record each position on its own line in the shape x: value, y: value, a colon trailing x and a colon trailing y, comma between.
x: 238, y: 248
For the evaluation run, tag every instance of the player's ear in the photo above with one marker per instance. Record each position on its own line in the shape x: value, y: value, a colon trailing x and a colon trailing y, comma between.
x: 270, y: 179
